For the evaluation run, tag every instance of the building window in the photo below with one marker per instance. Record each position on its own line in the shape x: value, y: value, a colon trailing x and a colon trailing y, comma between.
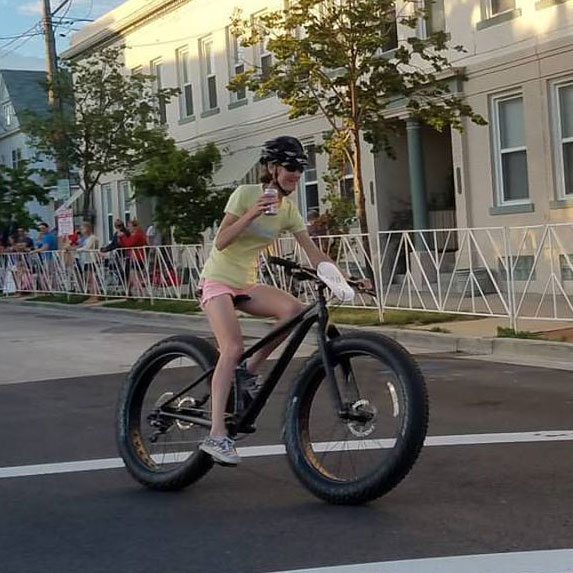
x: 566, y: 264
x: 107, y: 208
x: 390, y: 31
x: 209, y: 74
x: 309, y: 197
x: 346, y: 183
x: 16, y: 157
x: 3, y: 90
x: 495, y: 7
x: 563, y: 133
x: 436, y: 17
x: 125, y: 200
x: 236, y: 64
x: 156, y: 69
x: 510, y: 151
x: 8, y: 114
x: 184, y: 83
x: 522, y: 268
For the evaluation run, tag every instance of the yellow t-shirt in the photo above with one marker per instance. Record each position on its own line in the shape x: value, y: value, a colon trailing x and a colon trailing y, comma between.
x: 236, y: 265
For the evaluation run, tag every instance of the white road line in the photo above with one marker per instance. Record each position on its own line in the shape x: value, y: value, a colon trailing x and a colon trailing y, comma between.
x: 277, y: 450
x: 557, y: 561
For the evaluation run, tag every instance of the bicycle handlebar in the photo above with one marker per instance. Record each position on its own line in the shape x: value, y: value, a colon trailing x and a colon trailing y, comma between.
x: 310, y: 273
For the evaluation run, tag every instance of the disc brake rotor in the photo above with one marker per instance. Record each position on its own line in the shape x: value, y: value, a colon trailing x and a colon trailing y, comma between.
x: 361, y: 429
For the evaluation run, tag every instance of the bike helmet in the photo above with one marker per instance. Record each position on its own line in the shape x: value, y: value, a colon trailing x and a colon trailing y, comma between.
x: 286, y: 151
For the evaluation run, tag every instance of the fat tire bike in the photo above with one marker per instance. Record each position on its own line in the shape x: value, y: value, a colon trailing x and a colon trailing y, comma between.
x: 354, y: 423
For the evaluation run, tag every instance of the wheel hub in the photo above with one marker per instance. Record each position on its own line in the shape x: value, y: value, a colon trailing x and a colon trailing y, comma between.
x: 362, y: 416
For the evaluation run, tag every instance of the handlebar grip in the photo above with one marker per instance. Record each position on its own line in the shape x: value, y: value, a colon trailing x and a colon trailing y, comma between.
x: 283, y: 263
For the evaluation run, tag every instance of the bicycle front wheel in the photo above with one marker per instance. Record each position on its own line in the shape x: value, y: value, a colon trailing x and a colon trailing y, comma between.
x: 359, y: 452
x: 158, y: 445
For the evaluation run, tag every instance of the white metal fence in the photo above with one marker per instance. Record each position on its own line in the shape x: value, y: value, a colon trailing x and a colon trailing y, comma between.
x: 516, y: 272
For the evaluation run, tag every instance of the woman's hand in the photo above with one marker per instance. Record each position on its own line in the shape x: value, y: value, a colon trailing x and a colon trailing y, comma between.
x: 261, y: 205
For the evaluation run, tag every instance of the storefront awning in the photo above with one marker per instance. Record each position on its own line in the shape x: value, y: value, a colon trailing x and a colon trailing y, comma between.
x: 235, y: 166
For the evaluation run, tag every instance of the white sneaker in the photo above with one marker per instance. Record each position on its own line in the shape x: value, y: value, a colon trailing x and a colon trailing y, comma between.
x: 221, y: 450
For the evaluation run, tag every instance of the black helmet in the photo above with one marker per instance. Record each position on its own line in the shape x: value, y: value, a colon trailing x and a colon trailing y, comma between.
x: 286, y: 151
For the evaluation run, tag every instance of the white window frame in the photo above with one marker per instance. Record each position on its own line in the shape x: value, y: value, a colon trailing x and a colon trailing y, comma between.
x: 237, y: 63
x: 184, y: 83
x: 305, y: 182
x: 16, y: 157
x: 8, y: 114
x: 208, y: 72
x: 125, y: 202
x: 261, y: 49
x: 424, y: 27
x: 156, y: 68
x: 489, y: 9
x: 107, y: 208
x: 498, y: 152
x: 558, y: 139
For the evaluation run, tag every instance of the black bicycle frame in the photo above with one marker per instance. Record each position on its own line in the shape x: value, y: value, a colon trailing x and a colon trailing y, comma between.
x: 302, y: 323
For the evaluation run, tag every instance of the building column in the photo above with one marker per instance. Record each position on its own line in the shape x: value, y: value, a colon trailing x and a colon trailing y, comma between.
x: 417, y: 175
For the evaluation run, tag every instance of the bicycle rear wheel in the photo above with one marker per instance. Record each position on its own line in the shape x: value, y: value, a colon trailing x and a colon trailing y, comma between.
x: 364, y: 450
x: 161, y: 451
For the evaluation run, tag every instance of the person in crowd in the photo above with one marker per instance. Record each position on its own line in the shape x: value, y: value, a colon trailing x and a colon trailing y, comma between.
x: 23, y: 241
x: 47, y: 240
x: 87, y: 257
x: 136, y: 242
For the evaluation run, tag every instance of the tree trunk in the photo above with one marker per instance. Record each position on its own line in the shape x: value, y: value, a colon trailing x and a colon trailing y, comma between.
x: 360, y: 201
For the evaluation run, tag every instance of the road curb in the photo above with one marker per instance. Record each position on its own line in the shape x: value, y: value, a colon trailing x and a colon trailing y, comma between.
x: 432, y: 341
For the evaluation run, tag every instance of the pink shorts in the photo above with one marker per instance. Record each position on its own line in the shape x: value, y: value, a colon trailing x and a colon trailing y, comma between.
x: 211, y: 289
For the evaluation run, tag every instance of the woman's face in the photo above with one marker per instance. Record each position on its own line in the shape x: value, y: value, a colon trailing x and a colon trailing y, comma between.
x: 288, y: 180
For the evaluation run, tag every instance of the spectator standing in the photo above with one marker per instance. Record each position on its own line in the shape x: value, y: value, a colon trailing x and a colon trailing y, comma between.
x: 87, y: 259
x: 135, y: 242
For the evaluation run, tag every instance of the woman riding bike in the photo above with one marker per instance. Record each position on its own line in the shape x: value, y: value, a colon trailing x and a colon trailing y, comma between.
x: 253, y: 219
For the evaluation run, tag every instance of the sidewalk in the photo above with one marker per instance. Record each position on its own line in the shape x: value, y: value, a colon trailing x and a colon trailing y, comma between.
x: 475, y: 338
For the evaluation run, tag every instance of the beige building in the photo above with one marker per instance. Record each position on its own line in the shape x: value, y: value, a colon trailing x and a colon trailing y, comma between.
x: 519, y: 67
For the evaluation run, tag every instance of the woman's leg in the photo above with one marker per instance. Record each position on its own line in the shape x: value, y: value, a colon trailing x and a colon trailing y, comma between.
x: 223, y: 320
x: 270, y: 301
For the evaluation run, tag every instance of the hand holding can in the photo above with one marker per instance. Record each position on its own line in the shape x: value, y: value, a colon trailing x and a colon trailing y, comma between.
x: 271, y: 193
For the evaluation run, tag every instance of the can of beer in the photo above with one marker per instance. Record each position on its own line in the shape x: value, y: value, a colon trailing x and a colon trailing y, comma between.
x: 273, y: 207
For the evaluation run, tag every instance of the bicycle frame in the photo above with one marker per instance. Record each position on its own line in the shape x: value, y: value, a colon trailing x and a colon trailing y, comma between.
x: 300, y: 325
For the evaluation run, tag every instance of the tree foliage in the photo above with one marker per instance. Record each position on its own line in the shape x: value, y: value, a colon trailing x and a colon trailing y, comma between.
x: 180, y: 184
x: 329, y: 59
x: 17, y: 189
x: 104, y: 120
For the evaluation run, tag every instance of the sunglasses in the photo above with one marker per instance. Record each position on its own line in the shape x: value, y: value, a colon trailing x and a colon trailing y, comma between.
x: 291, y: 168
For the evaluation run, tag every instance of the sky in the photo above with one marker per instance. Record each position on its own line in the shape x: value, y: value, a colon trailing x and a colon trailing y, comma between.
x: 18, y: 17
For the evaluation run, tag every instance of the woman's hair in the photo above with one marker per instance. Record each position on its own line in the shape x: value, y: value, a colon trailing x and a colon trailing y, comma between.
x: 266, y: 176
x: 134, y: 223
x: 87, y: 226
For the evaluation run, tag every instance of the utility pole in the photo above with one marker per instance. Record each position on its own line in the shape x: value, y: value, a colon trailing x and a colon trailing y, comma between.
x: 63, y: 190
x: 50, y: 42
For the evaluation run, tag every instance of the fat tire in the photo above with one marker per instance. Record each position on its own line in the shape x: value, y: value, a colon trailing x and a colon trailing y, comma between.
x: 406, y: 451
x: 199, y: 463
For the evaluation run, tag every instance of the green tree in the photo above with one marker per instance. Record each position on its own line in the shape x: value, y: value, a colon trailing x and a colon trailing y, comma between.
x: 17, y: 189
x: 104, y: 120
x: 181, y: 185
x: 327, y: 59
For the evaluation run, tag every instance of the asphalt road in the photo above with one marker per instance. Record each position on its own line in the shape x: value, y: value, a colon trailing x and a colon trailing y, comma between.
x: 459, y: 500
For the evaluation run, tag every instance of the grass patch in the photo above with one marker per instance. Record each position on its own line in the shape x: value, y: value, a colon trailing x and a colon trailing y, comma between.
x: 61, y: 298
x: 503, y: 332
x: 174, y: 306
x: 369, y: 317
x: 439, y: 329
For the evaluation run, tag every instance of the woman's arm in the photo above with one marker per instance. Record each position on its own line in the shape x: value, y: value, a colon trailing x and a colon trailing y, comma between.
x: 232, y: 226
x: 314, y: 254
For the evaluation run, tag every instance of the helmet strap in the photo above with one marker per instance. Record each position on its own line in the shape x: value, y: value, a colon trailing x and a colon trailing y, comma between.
x: 281, y: 189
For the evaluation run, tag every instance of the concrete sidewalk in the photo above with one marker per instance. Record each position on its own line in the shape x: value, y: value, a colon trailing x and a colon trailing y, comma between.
x: 475, y: 338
